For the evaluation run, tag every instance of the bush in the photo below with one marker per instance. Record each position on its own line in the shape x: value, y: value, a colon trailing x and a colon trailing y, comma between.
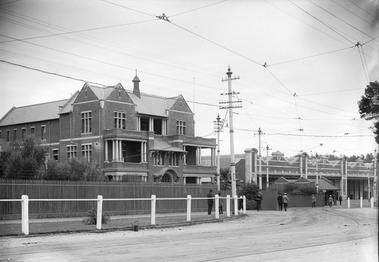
x: 92, y: 218
x: 251, y: 205
x: 248, y: 190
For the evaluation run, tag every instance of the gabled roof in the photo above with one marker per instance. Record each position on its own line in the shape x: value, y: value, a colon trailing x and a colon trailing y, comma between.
x: 152, y: 104
x: 281, y: 180
x: 325, y: 184
x: 33, y: 113
x: 67, y: 107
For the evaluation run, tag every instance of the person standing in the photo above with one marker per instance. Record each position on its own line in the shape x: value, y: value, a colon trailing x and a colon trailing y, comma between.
x: 258, y: 199
x: 340, y: 199
x: 220, y: 209
x: 285, y: 201
x: 280, y: 202
x: 330, y: 201
x: 313, y: 200
x: 210, y: 201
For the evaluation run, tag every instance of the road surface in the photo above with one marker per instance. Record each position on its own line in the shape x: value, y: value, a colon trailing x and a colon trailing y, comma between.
x: 301, y: 234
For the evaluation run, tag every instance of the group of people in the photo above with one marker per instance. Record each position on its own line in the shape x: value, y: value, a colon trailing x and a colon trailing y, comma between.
x: 283, y: 201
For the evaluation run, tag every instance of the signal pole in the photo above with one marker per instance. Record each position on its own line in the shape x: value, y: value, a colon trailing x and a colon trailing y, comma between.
x: 260, y: 159
x: 218, y: 128
x: 267, y: 175
x: 230, y: 104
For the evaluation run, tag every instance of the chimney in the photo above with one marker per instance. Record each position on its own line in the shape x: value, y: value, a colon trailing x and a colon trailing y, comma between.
x: 136, y: 86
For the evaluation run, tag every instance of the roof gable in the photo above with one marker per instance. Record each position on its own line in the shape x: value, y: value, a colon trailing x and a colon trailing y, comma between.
x: 86, y: 94
x: 181, y: 105
x: 119, y: 94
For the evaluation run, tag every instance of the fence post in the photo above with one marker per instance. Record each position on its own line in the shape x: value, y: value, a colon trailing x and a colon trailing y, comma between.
x: 99, y: 213
x: 244, y: 204
x: 217, y: 204
x: 235, y: 205
x: 361, y: 201
x: 153, y: 205
x: 25, y: 214
x: 228, y: 205
x: 372, y: 202
x: 188, y: 208
x: 348, y: 202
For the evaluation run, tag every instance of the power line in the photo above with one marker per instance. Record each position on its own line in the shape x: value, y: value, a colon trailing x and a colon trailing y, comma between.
x: 320, y: 21
x: 50, y: 73
x: 330, y: 92
x: 198, y: 8
x: 305, y: 135
x: 128, y: 8
x: 310, y: 56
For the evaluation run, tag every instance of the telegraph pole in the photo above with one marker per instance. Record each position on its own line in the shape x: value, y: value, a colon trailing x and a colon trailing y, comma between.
x: 230, y: 104
x: 267, y: 176
x: 260, y: 158
x: 218, y: 128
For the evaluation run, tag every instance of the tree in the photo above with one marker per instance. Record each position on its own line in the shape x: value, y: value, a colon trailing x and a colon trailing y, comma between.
x: 24, y: 161
x: 369, y: 106
x: 225, y: 179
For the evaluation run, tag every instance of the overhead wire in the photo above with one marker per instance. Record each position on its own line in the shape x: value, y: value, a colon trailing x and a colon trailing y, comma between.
x: 198, y: 8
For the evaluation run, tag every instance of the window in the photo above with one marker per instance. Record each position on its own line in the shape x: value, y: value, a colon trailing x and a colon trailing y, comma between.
x: 32, y: 131
x: 55, y: 154
x: 23, y: 133
x: 144, y: 124
x: 14, y: 134
x: 71, y: 151
x: 86, y: 122
x: 43, y: 132
x: 158, y: 126
x: 8, y: 135
x: 87, y: 152
x: 1, y: 134
x: 119, y: 120
x: 158, y: 158
x: 180, y: 127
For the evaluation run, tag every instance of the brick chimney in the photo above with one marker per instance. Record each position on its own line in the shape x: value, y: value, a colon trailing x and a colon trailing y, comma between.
x: 136, y: 86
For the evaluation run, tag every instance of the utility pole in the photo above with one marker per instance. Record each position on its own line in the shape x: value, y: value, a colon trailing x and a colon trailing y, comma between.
x: 230, y: 104
x: 267, y: 175
x: 218, y: 128
x: 260, y: 158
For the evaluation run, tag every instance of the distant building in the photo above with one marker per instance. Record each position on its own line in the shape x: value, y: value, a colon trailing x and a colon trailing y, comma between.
x: 353, y: 179
x: 130, y: 136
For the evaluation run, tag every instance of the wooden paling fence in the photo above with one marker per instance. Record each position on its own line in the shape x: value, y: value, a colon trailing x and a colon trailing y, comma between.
x: 42, y: 189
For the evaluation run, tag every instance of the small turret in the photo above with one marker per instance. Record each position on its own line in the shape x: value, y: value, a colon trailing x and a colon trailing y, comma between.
x: 136, y: 90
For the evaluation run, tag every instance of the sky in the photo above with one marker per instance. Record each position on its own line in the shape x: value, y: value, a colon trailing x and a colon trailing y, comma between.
x: 304, y: 99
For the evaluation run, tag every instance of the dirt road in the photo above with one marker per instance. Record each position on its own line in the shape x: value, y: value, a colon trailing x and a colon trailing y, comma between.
x: 302, y: 234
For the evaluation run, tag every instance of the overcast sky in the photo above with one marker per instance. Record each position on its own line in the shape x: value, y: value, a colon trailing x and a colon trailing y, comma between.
x: 105, y: 41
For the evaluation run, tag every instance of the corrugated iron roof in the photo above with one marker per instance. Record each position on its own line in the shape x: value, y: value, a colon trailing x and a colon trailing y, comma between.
x: 160, y: 145
x: 32, y: 113
x: 151, y: 104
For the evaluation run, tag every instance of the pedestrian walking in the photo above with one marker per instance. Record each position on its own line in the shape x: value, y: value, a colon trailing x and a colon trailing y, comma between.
x: 340, y: 199
x: 280, y: 202
x: 335, y: 198
x: 313, y: 200
x: 258, y: 199
x: 285, y: 201
x: 210, y: 201
x: 220, y: 210
x: 330, y: 201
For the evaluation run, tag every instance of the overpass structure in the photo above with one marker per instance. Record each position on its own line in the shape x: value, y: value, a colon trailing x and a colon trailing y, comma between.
x: 354, y: 179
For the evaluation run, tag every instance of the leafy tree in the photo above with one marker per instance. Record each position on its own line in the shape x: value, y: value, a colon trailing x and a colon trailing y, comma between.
x: 225, y: 179
x: 24, y: 161
x: 369, y: 106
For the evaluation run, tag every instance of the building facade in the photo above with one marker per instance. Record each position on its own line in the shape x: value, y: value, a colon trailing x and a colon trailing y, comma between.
x: 129, y: 135
x: 353, y: 179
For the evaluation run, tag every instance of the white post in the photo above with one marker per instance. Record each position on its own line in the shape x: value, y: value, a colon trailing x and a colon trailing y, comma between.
x: 244, y: 204
x: 372, y: 202
x: 361, y: 198
x: 235, y: 205
x: 228, y: 205
x: 153, y: 205
x: 99, y: 211
x: 217, y: 199
x: 188, y: 208
x: 348, y: 202
x: 25, y: 214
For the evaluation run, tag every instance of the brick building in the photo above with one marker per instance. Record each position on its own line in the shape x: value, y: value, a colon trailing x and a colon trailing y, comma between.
x: 129, y: 135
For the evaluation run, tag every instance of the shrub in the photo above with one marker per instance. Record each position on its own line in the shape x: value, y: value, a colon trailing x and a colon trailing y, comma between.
x: 251, y: 205
x: 248, y: 190
x: 92, y: 218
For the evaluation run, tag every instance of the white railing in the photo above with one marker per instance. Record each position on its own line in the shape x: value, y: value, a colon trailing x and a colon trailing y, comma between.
x: 99, y: 211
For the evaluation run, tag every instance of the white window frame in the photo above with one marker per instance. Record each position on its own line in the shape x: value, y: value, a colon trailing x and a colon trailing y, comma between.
x: 55, y: 152
x: 180, y: 127
x: 87, y: 151
x: 119, y: 120
x: 86, y: 122
x: 71, y: 151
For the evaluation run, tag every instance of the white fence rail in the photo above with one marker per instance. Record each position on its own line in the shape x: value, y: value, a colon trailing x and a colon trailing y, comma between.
x: 99, y: 211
